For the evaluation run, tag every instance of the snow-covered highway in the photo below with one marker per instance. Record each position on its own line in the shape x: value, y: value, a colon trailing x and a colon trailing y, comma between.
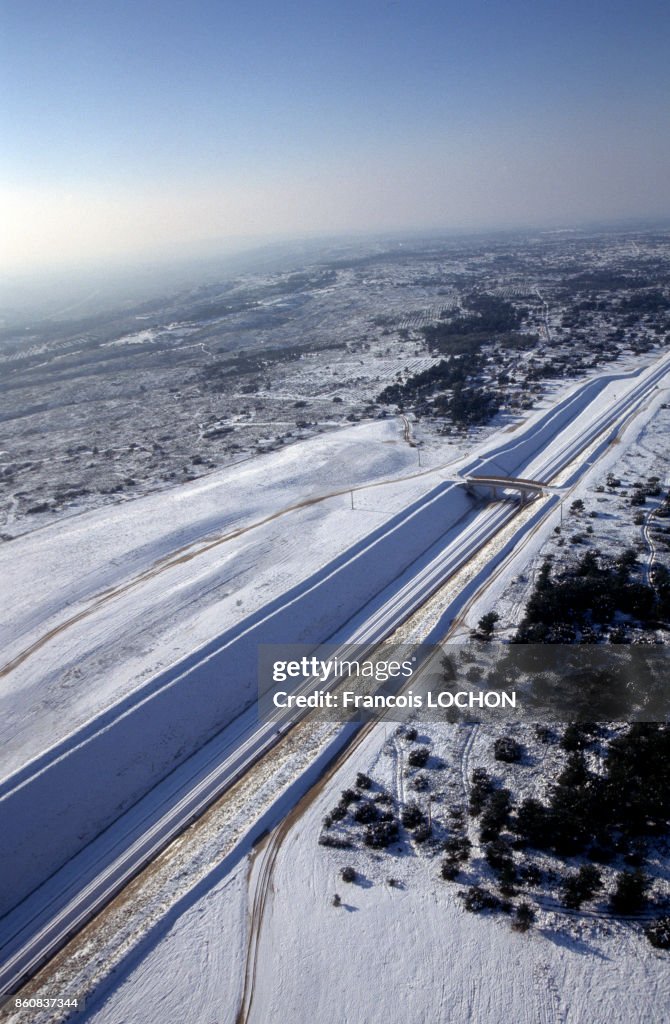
x: 563, y: 442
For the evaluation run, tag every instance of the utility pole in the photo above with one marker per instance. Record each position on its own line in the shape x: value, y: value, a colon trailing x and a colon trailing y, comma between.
x: 352, y: 498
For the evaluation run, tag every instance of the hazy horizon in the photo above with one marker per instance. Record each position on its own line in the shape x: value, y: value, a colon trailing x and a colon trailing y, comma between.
x: 136, y: 132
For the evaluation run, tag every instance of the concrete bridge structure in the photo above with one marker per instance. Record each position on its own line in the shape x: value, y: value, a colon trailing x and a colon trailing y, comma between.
x: 503, y: 488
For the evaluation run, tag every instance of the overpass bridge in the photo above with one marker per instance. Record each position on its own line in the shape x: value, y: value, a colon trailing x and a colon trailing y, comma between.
x: 502, y: 488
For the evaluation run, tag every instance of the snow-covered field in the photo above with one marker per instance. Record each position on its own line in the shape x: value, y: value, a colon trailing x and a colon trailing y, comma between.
x: 297, y: 502
x: 413, y: 954
x: 556, y: 973
x: 100, y: 602
x: 97, y: 604
x: 406, y: 951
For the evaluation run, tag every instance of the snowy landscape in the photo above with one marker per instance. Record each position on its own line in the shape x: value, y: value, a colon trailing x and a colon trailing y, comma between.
x: 454, y: 442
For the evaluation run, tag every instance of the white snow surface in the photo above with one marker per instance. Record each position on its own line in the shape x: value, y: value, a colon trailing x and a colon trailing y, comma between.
x: 98, y: 604
x: 388, y: 954
x: 303, y: 940
x: 91, y: 721
x: 78, y: 572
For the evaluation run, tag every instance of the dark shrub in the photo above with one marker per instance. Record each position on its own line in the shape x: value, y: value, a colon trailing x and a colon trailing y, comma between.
x: 507, y: 749
x: 412, y: 816
x: 498, y: 853
x: 458, y: 847
x: 658, y: 933
x: 482, y: 786
x: 366, y: 812
x: 486, y: 624
x: 335, y: 842
x: 573, y: 738
x: 524, y: 915
x: 530, y: 873
x: 495, y: 814
x: 418, y: 757
x: 477, y: 899
x: 629, y: 895
x: 533, y: 823
x: 422, y: 833
x: 381, y: 834
x: 450, y: 869
x: 581, y: 887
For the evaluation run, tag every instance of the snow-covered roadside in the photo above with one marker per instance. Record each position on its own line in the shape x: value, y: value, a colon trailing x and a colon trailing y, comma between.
x: 208, y: 962
x: 411, y: 953
x: 98, y: 604
x: 406, y: 951
x: 112, y: 760
x: 128, y: 591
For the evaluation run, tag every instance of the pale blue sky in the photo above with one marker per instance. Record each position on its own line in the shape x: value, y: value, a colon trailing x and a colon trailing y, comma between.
x: 151, y: 126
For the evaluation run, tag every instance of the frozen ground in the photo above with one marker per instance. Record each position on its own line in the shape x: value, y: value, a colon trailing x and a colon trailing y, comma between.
x: 410, y: 951
x: 100, y: 602
x: 404, y: 952
x: 103, y: 600
x: 413, y: 954
x: 128, y: 741
x: 111, y: 404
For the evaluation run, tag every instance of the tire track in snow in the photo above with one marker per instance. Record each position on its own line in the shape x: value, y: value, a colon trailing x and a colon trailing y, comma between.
x: 547, y: 995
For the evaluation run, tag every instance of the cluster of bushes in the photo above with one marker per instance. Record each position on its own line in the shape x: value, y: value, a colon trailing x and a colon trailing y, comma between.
x: 598, y: 814
x: 649, y: 302
x: 457, y: 849
x: 361, y: 807
x: 590, y: 593
x: 446, y: 374
x: 495, y: 814
x: 381, y: 834
x: 486, y: 317
x: 605, y: 815
x: 491, y: 802
x: 457, y: 846
x: 416, y: 822
x: 507, y: 749
x: 418, y: 757
x: 476, y: 899
x: 448, y: 389
x: 482, y: 786
x: 468, y: 405
x: 581, y: 886
x: 372, y: 807
x: 452, y: 388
